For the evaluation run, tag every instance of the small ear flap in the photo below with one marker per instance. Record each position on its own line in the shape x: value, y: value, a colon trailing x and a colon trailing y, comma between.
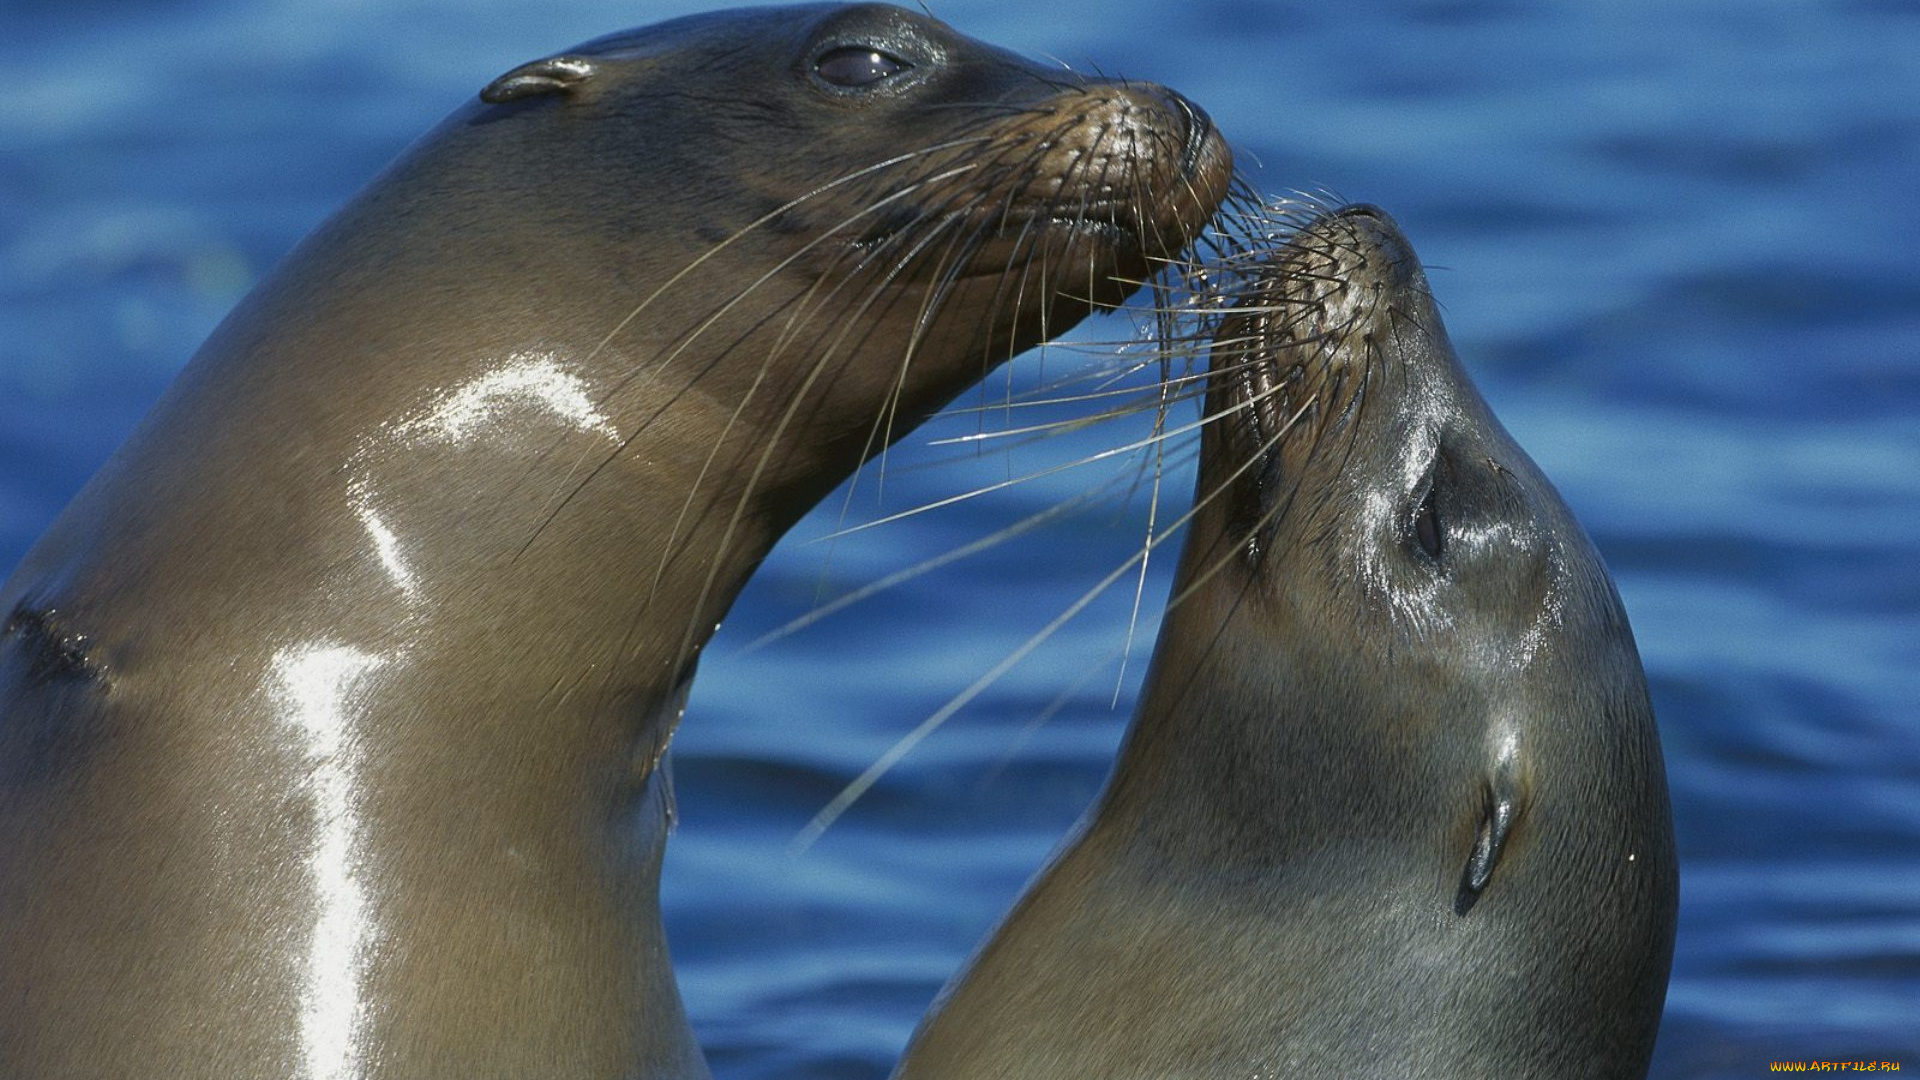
x: 1505, y: 801
x: 554, y: 75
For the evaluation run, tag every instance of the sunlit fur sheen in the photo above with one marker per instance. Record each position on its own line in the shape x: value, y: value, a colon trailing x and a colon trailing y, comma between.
x: 332, y: 712
x: 1381, y: 812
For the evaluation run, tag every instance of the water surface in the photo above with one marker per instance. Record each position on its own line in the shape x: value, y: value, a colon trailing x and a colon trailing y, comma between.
x: 1674, y: 242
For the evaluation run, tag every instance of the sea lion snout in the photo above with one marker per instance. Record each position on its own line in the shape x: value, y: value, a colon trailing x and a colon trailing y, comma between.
x: 1140, y: 158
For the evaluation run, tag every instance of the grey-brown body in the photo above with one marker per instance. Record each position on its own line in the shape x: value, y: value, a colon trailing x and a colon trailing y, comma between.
x: 1392, y: 805
x: 332, y: 711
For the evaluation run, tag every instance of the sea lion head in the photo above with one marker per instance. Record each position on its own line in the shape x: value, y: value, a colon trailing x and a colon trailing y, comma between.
x: 843, y: 215
x: 1397, y: 685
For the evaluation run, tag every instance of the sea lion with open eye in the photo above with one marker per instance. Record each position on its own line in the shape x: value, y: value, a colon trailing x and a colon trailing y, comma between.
x: 1392, y: 804
x: 332, y: 711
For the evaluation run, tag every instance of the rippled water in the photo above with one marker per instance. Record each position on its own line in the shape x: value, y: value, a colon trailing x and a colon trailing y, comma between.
x: 1675, y: 243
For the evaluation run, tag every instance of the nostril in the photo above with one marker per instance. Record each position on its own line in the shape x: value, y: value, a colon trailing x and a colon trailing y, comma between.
x: 1374, y: 227
x: 1199, y: 130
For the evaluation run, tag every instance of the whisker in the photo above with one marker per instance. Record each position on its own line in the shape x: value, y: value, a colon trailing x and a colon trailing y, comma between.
x: 900, y: 577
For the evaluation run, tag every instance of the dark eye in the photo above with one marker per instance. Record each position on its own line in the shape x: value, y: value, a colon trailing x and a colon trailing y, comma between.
x: 1426, y: 526
x: 857, y: 65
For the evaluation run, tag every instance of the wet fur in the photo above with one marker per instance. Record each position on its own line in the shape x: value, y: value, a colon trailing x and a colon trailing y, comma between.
x: 709, y: 327
x: 1380, y: 813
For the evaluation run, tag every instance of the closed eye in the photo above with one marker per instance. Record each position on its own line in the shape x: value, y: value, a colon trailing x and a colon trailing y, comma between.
x: 1426, y: 524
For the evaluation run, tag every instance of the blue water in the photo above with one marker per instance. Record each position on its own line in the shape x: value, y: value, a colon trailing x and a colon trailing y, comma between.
x: 1675, y: 242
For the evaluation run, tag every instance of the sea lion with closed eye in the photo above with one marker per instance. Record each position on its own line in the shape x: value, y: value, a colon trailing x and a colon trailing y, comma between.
x: 1392, y: 804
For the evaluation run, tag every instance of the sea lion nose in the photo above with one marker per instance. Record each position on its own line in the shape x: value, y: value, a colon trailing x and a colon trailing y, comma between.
x: 1373, y: 228
x: 1200, y: 131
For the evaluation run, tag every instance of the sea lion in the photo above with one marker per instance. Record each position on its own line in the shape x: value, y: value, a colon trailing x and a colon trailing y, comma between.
x: 332, y: 711
x: 1392, y: 804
